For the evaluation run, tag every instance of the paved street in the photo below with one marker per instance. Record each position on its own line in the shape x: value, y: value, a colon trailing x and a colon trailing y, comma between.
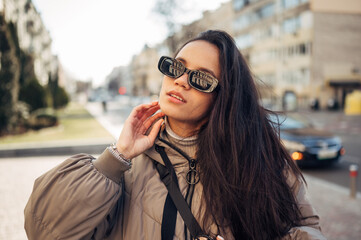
x: 348, y: 128
x: 16, y: 181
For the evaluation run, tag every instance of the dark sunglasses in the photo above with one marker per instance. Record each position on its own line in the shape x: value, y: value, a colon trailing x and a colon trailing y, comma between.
x: 197, y: 79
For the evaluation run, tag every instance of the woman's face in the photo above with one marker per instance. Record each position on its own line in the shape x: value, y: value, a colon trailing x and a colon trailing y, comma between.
x: 179, y: 101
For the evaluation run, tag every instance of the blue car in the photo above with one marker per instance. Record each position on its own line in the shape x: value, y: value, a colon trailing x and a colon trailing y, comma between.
x: 307, y: 145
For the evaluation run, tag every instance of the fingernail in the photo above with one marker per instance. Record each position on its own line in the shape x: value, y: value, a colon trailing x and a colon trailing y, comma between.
x: 220, y: 238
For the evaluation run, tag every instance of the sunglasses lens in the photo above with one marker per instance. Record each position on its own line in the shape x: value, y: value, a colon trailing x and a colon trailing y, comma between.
x: 200, y: 80
x: 171, y: 68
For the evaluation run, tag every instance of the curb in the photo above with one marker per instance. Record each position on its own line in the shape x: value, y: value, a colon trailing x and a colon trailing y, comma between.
x: 53, y: 150
x: 338, y: 189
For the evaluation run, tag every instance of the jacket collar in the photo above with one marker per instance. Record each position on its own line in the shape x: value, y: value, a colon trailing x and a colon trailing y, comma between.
x: 169, y: 140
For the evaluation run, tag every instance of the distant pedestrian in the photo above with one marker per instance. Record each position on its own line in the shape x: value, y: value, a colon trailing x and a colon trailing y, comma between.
x: 315, y: 105
x: 209, y: 164
x: 104, y: 106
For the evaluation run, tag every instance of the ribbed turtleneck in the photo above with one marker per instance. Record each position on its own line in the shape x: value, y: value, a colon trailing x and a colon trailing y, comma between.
x: 188, y: 144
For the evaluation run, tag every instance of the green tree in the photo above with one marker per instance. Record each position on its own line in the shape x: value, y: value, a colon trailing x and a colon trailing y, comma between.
x: 168, y: 10
x: 57, y: 95
x: 33, y: 94
x: 9, y: 78
x: 61, y: 98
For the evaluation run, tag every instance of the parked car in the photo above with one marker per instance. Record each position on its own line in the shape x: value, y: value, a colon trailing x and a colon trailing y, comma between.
x: 307, y: 145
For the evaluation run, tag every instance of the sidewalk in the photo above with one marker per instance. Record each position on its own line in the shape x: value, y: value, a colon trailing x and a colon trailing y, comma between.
x: 340, y: 216
x: 54, y: 148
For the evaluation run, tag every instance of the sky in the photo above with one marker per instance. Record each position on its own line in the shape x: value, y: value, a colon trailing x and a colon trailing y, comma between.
x: 91, y: 37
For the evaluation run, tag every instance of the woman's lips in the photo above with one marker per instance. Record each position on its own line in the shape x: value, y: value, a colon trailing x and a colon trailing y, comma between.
x: 176, y: 96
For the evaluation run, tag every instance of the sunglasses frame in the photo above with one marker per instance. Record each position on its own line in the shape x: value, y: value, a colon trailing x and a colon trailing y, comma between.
x: 189, y: 72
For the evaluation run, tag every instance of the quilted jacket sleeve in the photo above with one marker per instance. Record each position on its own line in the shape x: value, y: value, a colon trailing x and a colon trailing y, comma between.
x: 311, y: 229
x: 78, y: 199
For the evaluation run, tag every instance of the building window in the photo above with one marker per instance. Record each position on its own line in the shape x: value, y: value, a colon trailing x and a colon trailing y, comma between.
x: 247, y: 19
x: 290, y: 3
x: 297, y: 77
x: 239, y: 4
x: 242, y: 22
x: 291, y: 25
x: 302, y: 49
x: 266, y: 11
x: 268, y: 79
x: 286, y: 4
x: 244, y: 41
x: 297, y: 50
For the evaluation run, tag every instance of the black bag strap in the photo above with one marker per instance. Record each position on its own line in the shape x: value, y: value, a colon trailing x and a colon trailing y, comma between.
x: 170, y: 210
x: 169, y: 219
x: 169, y: 179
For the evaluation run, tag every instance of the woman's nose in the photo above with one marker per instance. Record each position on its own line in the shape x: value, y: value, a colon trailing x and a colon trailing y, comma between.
x: 182, y: 81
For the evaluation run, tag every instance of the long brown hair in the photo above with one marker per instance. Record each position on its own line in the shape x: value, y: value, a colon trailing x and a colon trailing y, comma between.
x: 242, y: 161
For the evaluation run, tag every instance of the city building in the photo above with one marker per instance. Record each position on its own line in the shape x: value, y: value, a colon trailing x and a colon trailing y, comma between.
x: 33, y: 37
x: 147, y: 80
x: 220, y: 19
x: 301, y: 50
x: 144, y: 72
x: 119, y: 81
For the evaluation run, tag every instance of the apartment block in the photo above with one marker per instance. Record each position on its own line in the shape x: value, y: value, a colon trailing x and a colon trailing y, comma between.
x: 302, y: 49
x: 219, y: 19
x: 33, y: 37
x: 145, y: 75
x: 147, y: 80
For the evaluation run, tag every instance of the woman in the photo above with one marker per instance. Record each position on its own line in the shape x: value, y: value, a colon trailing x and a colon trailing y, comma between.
x: 214, y: 138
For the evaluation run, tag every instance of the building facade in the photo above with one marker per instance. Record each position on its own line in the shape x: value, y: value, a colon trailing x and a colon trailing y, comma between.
x: 33, y: 37
x: 119, y: 81
x: 144, y: 72
x: 147, y: 80
x: 301, y: 49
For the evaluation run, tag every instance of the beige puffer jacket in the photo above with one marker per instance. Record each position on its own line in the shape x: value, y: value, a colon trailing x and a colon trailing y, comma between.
x: 104, y: 198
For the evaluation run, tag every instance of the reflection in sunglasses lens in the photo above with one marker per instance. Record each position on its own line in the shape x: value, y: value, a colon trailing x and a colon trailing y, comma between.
x: 199, y: 80
x: 176, y: 69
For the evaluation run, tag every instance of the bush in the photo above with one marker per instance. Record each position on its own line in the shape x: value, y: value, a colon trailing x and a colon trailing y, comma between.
x: 33, y: 94
x: 42, y: 118
x: 61, y: 98
x: 21, y: 116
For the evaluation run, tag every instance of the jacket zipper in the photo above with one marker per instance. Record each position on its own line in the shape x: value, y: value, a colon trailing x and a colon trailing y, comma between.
x: 191, y: 179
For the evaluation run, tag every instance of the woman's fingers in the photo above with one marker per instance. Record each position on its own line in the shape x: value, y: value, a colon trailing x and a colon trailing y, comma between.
x: 154, y: 132
x: 141, y: 109
x: 138, y: 111
x: 149, y: 121
x: 144, y: 115
x: 142, y: 127
x: 132, y: 140
x: 148, y: 113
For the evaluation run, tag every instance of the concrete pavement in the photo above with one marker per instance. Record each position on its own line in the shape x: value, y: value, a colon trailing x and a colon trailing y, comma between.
x: 54, y: 148
x: 17, y: 176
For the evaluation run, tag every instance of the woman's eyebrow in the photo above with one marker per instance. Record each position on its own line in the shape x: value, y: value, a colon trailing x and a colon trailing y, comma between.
x: 201, y: 69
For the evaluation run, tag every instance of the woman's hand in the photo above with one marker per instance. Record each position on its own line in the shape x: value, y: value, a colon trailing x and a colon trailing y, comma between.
x: 132, y: 140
